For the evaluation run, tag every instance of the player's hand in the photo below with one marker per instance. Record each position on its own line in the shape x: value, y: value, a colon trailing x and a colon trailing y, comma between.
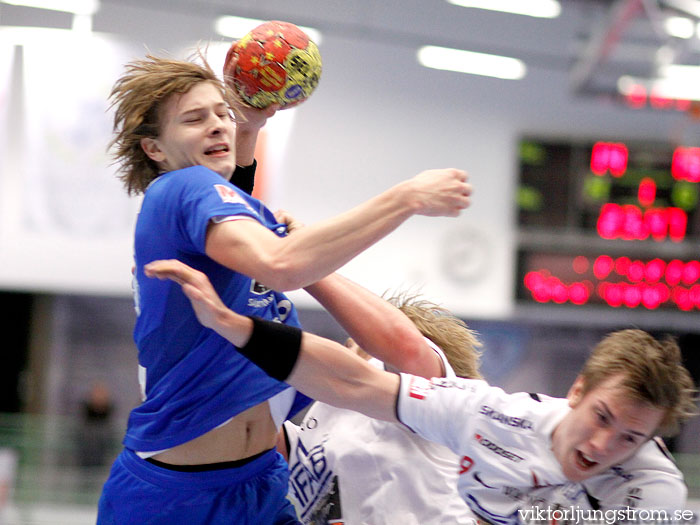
x: 253, y: 119
x: 440, y: 192
x: 207, y: 305
x: 284, y: 217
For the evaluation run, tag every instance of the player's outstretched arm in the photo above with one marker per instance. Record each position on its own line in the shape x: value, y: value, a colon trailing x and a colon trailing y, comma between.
x: 320, y: 249
x: 318, y: 367
x: 377, y: 326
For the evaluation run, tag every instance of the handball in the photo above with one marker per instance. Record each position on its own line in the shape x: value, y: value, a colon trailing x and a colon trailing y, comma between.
x: 276, y: 63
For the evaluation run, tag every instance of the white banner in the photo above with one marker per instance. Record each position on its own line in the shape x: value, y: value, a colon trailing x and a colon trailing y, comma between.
x: 69, y: 186
x: 6, y: 61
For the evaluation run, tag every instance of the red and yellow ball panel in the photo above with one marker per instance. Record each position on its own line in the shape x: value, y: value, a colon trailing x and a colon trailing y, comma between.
x: 277, y: 63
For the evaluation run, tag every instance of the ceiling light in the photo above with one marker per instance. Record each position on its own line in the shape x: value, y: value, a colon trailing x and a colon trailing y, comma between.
x: 681, y: 73
x: 237, y: 26
x: 78, y: 7
x: 536, y: 8
x: 470, y: 62
x: 679, y: 26
x: 672, y: 87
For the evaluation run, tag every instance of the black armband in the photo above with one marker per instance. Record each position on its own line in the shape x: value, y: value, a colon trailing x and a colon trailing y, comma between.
x: 244, y: 177
x: 274, y: 347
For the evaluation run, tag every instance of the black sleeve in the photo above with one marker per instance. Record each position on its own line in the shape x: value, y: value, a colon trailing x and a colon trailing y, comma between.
x: 244, y: 177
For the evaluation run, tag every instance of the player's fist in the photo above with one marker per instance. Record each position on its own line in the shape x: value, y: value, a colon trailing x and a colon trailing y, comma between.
x: 441, y: 192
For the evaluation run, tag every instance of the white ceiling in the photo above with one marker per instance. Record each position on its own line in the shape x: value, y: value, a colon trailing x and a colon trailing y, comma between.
x: 596, y: 41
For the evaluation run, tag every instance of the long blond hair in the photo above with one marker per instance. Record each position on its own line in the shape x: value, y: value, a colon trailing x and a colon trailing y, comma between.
x: 139, y: 96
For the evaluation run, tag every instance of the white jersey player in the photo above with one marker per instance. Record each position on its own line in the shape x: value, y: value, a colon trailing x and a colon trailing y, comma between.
x: 348, y: 468
x: 508, y: 470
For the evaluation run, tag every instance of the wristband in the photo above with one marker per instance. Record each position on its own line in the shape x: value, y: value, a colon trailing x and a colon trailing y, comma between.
x: 244, y: 177
x: 274, y: 347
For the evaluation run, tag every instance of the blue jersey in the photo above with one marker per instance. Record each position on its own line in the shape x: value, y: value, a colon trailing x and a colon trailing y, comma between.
x: 195, y: 380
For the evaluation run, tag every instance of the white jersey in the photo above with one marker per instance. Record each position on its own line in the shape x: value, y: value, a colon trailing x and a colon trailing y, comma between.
x: 351, y: 469
x: 507, y: 466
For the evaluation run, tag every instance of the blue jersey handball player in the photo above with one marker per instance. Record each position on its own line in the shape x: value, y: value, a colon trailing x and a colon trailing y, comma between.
x: 200, y: 448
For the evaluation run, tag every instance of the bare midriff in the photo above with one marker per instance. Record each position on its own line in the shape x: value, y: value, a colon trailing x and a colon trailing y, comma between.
x: 249, y: 433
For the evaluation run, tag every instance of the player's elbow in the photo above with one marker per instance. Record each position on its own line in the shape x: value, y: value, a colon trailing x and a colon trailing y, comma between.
x: 412, y: 353
x: 282, y: 273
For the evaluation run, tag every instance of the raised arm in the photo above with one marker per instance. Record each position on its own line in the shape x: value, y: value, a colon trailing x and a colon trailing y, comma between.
x: 247, y: 130
x: 322, y: 369
x: 317, y: 250
x: 377, y: 326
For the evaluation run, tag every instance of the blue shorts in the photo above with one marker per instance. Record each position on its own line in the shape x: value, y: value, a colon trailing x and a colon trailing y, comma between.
x: 141, y: 493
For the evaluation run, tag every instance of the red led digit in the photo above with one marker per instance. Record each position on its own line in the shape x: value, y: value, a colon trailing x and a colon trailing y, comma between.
x: 633, y: 226
x: 674, y: 272
x: 578, y: 293
x: 651, y: 298
x: 654, y: 270
x: 610, y: 220
x: 608, y: 156
x: 677, y: 223
x: 691, y: 272
x: 647, y: 192
x: 618, y: 159
x: 681, y: 297
x: 599, y: 158
x: 622, y: 265
x: 656, y: 220
x: 632, y: 295
x: 663, y: 291
x: 635, y: 272
x: 602, y: 266
x: 613, y: 295
x: 685, y: 164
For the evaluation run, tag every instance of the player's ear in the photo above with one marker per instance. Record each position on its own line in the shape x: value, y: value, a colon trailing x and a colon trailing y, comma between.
x: 575, y: 392
x: 151, y: 147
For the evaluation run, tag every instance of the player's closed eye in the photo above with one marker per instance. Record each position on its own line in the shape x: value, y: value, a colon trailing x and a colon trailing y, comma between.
x: 602, y: 418
x: 630, y: 439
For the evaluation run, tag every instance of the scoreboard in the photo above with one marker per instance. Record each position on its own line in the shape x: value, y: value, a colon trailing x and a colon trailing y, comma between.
x: 609, y: 223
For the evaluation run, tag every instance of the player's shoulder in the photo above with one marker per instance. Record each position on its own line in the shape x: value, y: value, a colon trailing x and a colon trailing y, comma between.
x: 653, y: 456
x: 521, y: 413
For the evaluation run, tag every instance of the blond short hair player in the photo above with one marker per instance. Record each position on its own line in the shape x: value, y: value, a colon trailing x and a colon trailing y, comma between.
x: 348, y: 468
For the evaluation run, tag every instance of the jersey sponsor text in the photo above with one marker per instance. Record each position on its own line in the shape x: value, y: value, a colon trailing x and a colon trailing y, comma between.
x: 511, y: 421
x: 493, y: 447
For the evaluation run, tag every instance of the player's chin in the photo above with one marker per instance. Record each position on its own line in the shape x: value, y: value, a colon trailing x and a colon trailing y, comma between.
x: 223, y: 168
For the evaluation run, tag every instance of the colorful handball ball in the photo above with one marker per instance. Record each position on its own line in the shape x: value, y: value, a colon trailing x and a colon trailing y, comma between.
x: 276, y: 63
